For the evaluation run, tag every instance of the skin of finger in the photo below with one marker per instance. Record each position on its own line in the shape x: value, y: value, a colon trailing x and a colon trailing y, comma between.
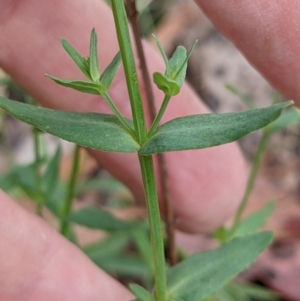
x: 268, y: 33
x: 38, y: 264
x: 205, y: 185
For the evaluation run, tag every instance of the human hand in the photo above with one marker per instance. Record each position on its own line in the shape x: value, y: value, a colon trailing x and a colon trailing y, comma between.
x: 214, y: 178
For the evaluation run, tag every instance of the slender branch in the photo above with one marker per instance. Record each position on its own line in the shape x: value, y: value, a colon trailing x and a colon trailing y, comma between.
x: 122, y: 120
x: 251, y: 180
x: 163, y: 175
x: 157, y: 119
x: 70, y: 192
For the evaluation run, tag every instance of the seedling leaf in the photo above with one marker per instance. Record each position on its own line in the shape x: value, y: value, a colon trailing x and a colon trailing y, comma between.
x: 80, y: 85
x: 112, y: 245
x: 97, y: 218
x: 206, y: 130
x: 140, y: 292
x: 94, y: 63
x: 110, y: 72
x: 202, y: 274
x: 254, y: 222
x: 80, y: 61
x: 124, y: 265
x: 99, y: 131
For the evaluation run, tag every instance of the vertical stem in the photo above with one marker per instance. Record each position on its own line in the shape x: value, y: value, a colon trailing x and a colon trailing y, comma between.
x: 70, y: 192
x: 132, y: 15
x: 146, y: 162
x: 129, y: 69
x: 156, y: 233
x: 162, y: 169
x: 251, y: 180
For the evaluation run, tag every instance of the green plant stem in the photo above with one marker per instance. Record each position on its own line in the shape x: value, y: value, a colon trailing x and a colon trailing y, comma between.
x: 146, y: 163
x: 37, y: 162
x: 156, y: 234
x: 159, y: 115
x: 132, y: 14
x: 129, y: 69
x: 251, y: 180
x: 70, y: 192
x: 122, y: 120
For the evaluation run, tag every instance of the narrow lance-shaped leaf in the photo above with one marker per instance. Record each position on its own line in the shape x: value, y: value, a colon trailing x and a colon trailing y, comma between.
x: 254, y: 222
x: 199, y: 276
x: 109, y: 73
x: 99, y: 131
x: 288, y: 118
x: 97, y: 218
x: 51, y: 176
x: 140, y: 292
x: 77, y: 58
x: 175, y: 64
x: 94, y: 63
x: 80, y: 85
x: 206, y: 130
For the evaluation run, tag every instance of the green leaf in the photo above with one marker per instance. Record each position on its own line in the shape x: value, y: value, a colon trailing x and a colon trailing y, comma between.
x: 206, y: 130
x: 167, y: 85
x: 124, y: 265
x: 259, y: 292
x: 110, y: 72
x: 55, y: 201
x: 140, y: 292
x: 202, y: 274
x: 7, y: 180
x: 94, y: 63
x: 287, y: 118
x: 235, y: 292
x: 110, y: 185
x: 51, y: 176
x: 80, y: 85
x: 177, y: 66
x: 80, y: 61
x: 254, y: 222
x: 99, y: 131
x: 97, y: 218
x: 221, y: 234
x: 140, y: 236
x: 113, y: 244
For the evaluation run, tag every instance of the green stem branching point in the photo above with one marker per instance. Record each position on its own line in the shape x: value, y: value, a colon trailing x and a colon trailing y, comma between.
x: 159, y: 115
x: 117, y: 113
